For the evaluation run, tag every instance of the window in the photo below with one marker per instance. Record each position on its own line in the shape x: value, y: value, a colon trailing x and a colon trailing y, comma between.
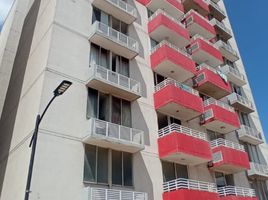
x: 109, y: 60
x: 106, y: 166
x: 164, y: 120
x: 224, y: 180
x: 261, y: 189
x: 244, y: 119
x: 253, y: 154
x: 236, y: 89
x: 172, y: 171
x: 214, y: 135
x: 108, y: 108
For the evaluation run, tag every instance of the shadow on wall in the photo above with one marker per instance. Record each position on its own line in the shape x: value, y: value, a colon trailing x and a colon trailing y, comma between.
x: 9, y: 113
x: 142, y: 179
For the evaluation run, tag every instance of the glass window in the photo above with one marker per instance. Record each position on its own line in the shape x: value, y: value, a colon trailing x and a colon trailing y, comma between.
x: 96, y: 15
x: 102, y: 165
x: 90, y: 164
x: 220, y: 179
x: 92, y: 103
x: 181, y: 171
x: 168, y: 171
x: 244, y: 119
x: 126, y: 113
x: 127, y: 164
x: 104, y: 107
x: 116, y: 110
x: 117, y: 168
x: 94, y: 54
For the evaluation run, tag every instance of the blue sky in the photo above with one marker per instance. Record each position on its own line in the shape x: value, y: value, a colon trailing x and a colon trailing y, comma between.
x: 249, y: 20
x: 250, y: 25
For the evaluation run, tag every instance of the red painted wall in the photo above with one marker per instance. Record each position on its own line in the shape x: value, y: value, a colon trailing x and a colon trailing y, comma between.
x: 174, y: 3
x: 167, y: 53
x: 232, y: 157
x: 202, y: 22
x: 144, y: 2
x: 208, y: 48
x: 172, y: 94
x: 238, y: 198
x: 185, y: 194
x: 162, y: 20
x: 202, y: 5
x: 214, y: 79
x: 178, y: 142
x: 224, y: 115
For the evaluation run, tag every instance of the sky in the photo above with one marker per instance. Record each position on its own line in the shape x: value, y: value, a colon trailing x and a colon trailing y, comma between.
x: 250, y: 25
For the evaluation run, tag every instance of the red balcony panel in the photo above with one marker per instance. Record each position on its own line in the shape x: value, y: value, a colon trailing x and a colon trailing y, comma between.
x: 184, y: 194
x: 143, y: 2
x: 222, y: 121
x: 198, y: 5
x: 233, y: 160
x: 196, y: 24
x: 204, y: 52
x: 161, y: 26
x: 212, y: 84
x: 184, y: 149
x: 170, y: 62
x: 177, y: 102
x: 232, y: 197
x: 173, y: 7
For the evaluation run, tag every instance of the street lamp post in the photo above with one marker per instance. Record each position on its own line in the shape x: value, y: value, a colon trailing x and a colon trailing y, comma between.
x: 57, y: 92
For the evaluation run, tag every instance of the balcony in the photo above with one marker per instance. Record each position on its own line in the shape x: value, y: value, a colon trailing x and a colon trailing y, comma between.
x: 227, y: 51
x: 211, y: 82
x: 170, y: 61
x: 183, y: 145
x: 241, y: 103
x: 173, y: 7
x: 221, y: 29
x: 114, y: 136
x: 219, y: 117
x: 228, y: 157
x: 216, y: 1
x: 178, y: 100
x: 216, y: 11
x: 185, y: 189
x: 258, y: 171
x: 161, y: 27
x: 203, y: 51
x: 234, y: 75
x: 117, y: 8
x: 250, y: 135
x: 198, y: 25
x: 108, y: 81
x: 113, y: 40
x: 201, y: 6
x: 236, y: 193
x: 94, y: 193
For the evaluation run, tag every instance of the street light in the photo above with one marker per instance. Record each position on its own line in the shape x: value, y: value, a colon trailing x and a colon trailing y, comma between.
x: 57, y: 92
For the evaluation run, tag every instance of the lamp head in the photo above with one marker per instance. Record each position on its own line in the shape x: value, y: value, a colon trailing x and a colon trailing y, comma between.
x: 62, y: 87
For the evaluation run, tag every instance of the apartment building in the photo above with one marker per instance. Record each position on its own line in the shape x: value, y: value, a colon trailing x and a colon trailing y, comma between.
x: 160, y: 107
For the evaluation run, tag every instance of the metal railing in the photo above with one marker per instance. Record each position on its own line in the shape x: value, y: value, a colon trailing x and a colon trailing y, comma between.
x: 114, y: 35
x: 236, y: 191
x: 115, y: 131
x: 246, y: 130
x: 226, y: 143
x: 221, y: 25
x: 196, y: 13
x: 124, y: 6
x: 208, y: 114
x: 217, y: 157
x: 181, y: 130
x: 166, y: 43
x: 116, y: 79
x: 205, y: 66
x: 177, y: 84
x: 221, y: 104
x: 234, y: 97
x: 256, y: 168
x: 109, y: 194
x: 160, y: 11
x: 228, y: 69
x: 195, y: 37
x: 227, y: 47
x: 182, y: 183
x: 216, y: 6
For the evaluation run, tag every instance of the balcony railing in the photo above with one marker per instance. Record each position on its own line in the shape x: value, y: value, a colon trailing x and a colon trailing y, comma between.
x: 256, y: 168
x: 234, y: 97
x: 169, y: 81
x: 221, y: 25
x: 166, y: 43
x: 108, y: 194
x: 124, y: 6
x: 246, y: 130
x: 195, y: 37
x: 182, y: 183
x: 160, y: 11
x: 116, y: 79
x: 114, y: 35
x: 222, y: 142
x: 196, y: 13
x: 228, y: 69
x: 183, y: 130
x: 227, y: 47
x: 221, y: 104
x: 114, y: 131
x: 236, y: 191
